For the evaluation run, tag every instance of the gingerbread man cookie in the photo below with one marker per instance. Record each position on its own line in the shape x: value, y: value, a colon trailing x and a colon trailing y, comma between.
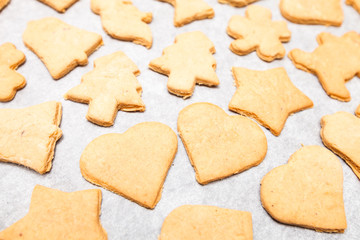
x: 256, y: 31
x: 335, y: 61
x: 187, y: 62
x: 10, y: 80
x: 237, y: 3
x: 60, y: 46
x: 59, y: 5
x: 123, y: 21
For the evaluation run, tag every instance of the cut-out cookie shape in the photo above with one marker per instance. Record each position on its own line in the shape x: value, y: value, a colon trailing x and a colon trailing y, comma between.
x: 28, y: 135
x: 357, y: 112
x: 340, y: 133
x: 354, y: 3
x: 324, y: 12
x: 123, y: 21
x: 267, y: 96
x: 59, y: 5
x: 325, y: 62
x: 187, y: 62
x: 237, y: 3
x: 133, y: 164
x: 10, y: 80
x: 219, y: 145
x: 54, y: 214
x: 187, y: 11
x: 3, y: 3
x: 307, y: 191
x: 110, y: 87
x: 256, y: 31
x: 60, y: 46
x: 203, y: 222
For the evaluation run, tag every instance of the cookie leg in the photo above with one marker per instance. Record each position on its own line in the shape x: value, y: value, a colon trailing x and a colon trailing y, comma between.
x: 271, y: 50
x: 243, y: 46
x: 102, y: 110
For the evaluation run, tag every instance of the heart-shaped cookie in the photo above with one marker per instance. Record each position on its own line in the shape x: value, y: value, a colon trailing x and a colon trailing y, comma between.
x: 307, y: 192
x: 219, y: 145
x: 133, y: 164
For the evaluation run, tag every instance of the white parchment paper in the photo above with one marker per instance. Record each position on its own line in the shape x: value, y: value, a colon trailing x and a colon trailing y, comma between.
x: 121, y: 218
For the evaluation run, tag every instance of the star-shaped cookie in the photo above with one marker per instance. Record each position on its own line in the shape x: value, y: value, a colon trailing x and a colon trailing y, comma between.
x: 256, y: 31
x: 335, y: 61
x: 237, y: 3
x: 59, y: 5
x: 340, y: 133
x: 354, y: 3
x: 55, y: 215
x: 10, y: 80
x: 187, y: 11
x: 123, y: 21
x: 110, y: 87
x: 267, y: 96
x: 187, y: 62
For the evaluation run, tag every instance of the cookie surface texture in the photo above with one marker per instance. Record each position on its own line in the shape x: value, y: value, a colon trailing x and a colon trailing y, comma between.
x: 237, y: 3
x: 355, y: 4
x: 324, y: 12
x: 219, y: 145
x: 3, y: 3
x: 10, y: 80
x: 324, y: 62
x: 187, y: 11
x: 307, y: 191
x: 340, y: 133
x: 60, y: 46
x: 267, y: 96
x: 110, y: 87
x: 133, y: 164
x: 59, y: 5
x: 28, y: 135
x: 256, y: 31
x: 123, y: 21
x: 55, y: 215
x: 187, y: 62
x: 203, y: 222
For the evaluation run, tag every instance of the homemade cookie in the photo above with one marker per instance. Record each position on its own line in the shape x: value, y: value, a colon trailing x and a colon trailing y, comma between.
x: 267, y: 96
x: 3, y: 3
x: 10, y: 80
x: 219, y: 145
x: 123, y: 21
x: 203, y: 222
x: 55, y: 215
x: 59, y: 5
x: 187, y: 11
x: 325, y: 12
x: 325, y: 64
x: 256, y: 31
x: 28, y: 135
x: 306, y: 192
x: 60, y: 46
x: 354, y: 3
x: 237, y: 3
x: 187, y: 62
x: 340, y: 133
x: 357, y: 112
x: 110, y: 87
x: 133, y: 164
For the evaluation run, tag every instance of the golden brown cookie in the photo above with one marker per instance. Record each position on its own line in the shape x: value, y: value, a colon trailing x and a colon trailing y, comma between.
x: 60, y: 46
x: 123, y: 21
x: 267, y: 96
x: 59, y: 5
x: 219, y: 145
x: 357, y: 112
x: 306, y: 192
x: 187, y: 11
x: 55, y: 215
x: 324, y: 12
x: 354, y: 3
x: 28, y: 135
x: 256, y: 31
x: 110, y: 87
x: 340, y: 133
x: 3, y: 3
x: 237, y: 3
x: 10, y: 80
x: 133, y: 164
x: 201, y: 222
x: 325, y: 64
x: 187, y: 62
